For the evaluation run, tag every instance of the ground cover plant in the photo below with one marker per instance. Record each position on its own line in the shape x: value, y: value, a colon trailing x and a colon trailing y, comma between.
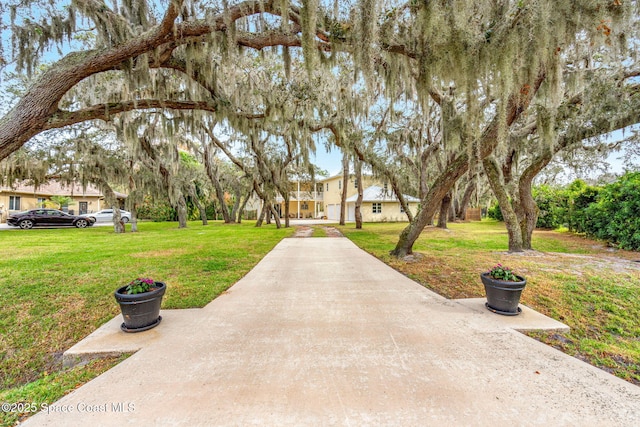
x: 56, y: 287
x: 592, y: 288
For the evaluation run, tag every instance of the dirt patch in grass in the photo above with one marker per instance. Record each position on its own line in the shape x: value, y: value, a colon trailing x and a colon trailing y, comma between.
x: 332, y: 232
x: 303, y: 231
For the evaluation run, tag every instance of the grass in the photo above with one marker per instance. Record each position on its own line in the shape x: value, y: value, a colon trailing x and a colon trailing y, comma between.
x: 577, y: 281
x: 56, y: 287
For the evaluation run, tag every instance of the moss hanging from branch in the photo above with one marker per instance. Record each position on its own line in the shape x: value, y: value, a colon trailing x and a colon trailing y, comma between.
x: 309, y: 16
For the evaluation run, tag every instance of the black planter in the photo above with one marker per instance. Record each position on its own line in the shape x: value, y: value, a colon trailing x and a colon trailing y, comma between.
x: 140, y: 311
x: 503, y: 297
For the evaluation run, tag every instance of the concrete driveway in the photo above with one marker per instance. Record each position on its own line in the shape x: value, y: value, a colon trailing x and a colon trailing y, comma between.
x: 320, y: 333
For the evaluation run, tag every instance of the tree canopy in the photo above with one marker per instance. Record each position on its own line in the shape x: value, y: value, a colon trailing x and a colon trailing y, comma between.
x: 425, y: 92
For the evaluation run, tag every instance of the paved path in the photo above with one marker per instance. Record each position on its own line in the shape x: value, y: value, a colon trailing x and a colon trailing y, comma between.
x: 320, y: 334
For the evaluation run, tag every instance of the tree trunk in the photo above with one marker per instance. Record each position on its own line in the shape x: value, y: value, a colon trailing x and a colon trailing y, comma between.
x: 527, y: 209
x: 182, y: 212
x: 445, y: 206
x: 510, y: 218
x: 453, y: 209
x: 276, y: 216
x: 198, y: 203
x: 134, y: 218
x: 213, y: 173
x: 236, y: 206
x: 112, y: 200
x: 430, y: 203
x: 118, y: 224
x: 401, y: 199
x: 345, y: 182
x: 268, y: 213
x: 287, y: 210
x: 238, y: 213
x: 488, y: 141
x: 262, y: 214
x: 130, y: 202
x: 466, y: 198
x: 358, y: 210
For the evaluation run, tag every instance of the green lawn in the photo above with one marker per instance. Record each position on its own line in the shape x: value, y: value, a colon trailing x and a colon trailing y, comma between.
x: 56, y: 287
x: 580, y: 282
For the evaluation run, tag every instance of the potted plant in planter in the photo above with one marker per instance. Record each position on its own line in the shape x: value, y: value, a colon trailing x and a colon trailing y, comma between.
x: 503, y: 289
x: 140, y: 304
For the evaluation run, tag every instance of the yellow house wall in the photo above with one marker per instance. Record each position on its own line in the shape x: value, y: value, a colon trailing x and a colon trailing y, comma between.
x: 390, y: 212
x: 333, y: 193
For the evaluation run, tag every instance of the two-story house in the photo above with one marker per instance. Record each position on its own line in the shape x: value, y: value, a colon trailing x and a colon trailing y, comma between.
x: 379, y: 203
x: 304, y: 202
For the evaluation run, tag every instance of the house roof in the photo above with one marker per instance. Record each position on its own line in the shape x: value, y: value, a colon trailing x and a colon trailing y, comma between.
x: 377, y: 194
x: 56, y: 188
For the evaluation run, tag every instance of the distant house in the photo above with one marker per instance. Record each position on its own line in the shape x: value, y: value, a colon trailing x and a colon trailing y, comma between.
x: 303, y: 203
x: 22, y: 197
x: 379, y: 203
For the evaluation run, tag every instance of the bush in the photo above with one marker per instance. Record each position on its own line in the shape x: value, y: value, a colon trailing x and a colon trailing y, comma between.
x: 580, y: 197
x: 157, y: 212
x: 495, y: 212
x: 552, y: 205
x: 615, y: 216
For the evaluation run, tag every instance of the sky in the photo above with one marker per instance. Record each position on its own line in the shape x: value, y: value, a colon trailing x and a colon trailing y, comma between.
x: 331, y: 162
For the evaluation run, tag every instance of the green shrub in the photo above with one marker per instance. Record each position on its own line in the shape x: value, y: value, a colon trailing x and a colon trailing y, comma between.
x: 494, y: 212
x: 615, y: 216
x: 552, y: 206
x: 579, y: 197
x: 157, y: 212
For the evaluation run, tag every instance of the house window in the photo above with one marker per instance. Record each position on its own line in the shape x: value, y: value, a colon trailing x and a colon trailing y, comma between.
x: 327, y: 186
x: 14, y: 203
x: 340, y: 185
x: 355, y: 182
x: 401, y: 208
x: 377, y: 207
x: 304, y: 206
x: 41, y: 201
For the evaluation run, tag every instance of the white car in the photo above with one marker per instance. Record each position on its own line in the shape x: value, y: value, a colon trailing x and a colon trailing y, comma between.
x: 106, y: 215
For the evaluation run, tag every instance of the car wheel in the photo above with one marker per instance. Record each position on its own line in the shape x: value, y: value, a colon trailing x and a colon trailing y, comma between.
x: 26, y: 224
x: 125, y: 219
x: 81, y: 223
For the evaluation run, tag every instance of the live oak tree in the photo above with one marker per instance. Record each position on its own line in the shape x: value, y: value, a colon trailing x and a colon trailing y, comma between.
x: 593, y: 98
x: 132, y: 40
x: 500, y: 54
